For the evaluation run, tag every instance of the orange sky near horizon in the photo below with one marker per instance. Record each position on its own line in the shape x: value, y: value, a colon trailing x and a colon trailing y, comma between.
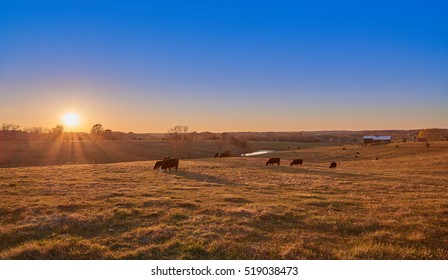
x: 132, y: 116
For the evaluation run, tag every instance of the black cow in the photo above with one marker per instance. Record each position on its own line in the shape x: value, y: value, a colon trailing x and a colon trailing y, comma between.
x: 333, y: 165
x: 297, y: 162
x: 216, y: 155
x: 356, y: 157
x: 272, y: 161
x: 358, y: 153
x: 170, y: 163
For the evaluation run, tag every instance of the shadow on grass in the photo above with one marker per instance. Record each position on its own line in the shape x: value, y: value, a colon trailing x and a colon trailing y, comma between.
x: 206, y: 178
x: 340, y: 172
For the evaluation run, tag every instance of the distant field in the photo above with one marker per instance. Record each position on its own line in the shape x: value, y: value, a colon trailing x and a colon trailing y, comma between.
x: 37, y: 153
x: 395, y: 207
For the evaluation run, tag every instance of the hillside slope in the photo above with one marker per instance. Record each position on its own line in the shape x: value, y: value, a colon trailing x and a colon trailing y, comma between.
x: 395, y: 207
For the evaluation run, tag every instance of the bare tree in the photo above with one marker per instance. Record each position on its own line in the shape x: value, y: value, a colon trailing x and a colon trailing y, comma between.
x: 9, y: 131
x: 35, y: 130
x: 181, y: 140
x: 10, y: 127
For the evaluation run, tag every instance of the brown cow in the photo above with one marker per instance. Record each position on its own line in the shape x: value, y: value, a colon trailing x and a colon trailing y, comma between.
x: 158, y: 164
x: 170, y: 163
x: 297, y: 162
x: 272, y: 161
x: 225, y: 154
x: 333, y: 165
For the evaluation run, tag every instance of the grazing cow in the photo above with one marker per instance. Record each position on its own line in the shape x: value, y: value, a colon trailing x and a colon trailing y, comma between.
x: 272, y: 161
x: 158, y: 164
x: 344, y: 149
x: 216, y: 155
x: 297, y: 162
x: 356, y: 156
x: 225, y: 154
x: 333, y: 165
x: 358, y: 153
x: 377, y: 158
x: 170, y: 163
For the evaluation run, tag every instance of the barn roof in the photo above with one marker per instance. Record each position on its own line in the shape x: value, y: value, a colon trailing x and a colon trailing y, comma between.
x: 379, y: 138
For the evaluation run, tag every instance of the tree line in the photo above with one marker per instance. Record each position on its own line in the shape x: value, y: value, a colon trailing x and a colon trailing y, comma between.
x: 12, y: 132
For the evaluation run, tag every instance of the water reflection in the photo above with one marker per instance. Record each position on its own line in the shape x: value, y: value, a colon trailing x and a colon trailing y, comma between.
x: 261, y: 152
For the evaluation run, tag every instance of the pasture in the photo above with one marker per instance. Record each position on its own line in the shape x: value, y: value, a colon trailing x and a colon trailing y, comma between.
x: 39, y: 153
x: 395, y: 207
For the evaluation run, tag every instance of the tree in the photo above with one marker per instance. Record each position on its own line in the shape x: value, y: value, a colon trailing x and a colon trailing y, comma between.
x: 181, y: 140
x: 57, y: 131
x: 10, y: 127
x: 9, y: 131
x: 237, y: 142
x: 97, y: 129
x: 433, y: 134
x: 35, y: 130
x: 108, y: 135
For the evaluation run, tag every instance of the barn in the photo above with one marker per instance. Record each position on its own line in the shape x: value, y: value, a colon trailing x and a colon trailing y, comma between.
x: 377, y: 139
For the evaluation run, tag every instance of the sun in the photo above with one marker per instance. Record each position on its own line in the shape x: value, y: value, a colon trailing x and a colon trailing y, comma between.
x: 70, y: 119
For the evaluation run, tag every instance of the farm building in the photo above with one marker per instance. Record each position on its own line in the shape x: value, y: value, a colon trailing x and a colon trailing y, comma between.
x: 377, y: 139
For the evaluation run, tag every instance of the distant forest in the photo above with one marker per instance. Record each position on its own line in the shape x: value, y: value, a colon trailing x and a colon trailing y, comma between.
x: 12, y: 132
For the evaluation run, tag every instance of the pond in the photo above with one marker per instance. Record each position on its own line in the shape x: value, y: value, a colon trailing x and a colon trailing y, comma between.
x: 260, y: 152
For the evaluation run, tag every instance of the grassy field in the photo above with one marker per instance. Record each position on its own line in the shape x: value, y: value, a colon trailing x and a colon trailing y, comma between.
x: 38, y: 153
x: 395, y: 207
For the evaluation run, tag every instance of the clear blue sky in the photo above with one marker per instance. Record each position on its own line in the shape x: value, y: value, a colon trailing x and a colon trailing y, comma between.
x: 225, y: 65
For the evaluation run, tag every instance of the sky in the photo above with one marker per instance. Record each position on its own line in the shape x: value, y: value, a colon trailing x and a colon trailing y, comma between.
x: 146, y: 66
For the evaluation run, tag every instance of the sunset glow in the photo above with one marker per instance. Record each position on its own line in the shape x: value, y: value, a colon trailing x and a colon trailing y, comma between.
x: 296, y: 66
x: 71, y: 119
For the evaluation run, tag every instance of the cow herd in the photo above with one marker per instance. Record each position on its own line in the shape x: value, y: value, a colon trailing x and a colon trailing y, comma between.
x: 167, y: 163
x: 273, y: 161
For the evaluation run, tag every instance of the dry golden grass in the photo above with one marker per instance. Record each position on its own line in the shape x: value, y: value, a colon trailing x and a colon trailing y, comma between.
x: 235, y: 208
